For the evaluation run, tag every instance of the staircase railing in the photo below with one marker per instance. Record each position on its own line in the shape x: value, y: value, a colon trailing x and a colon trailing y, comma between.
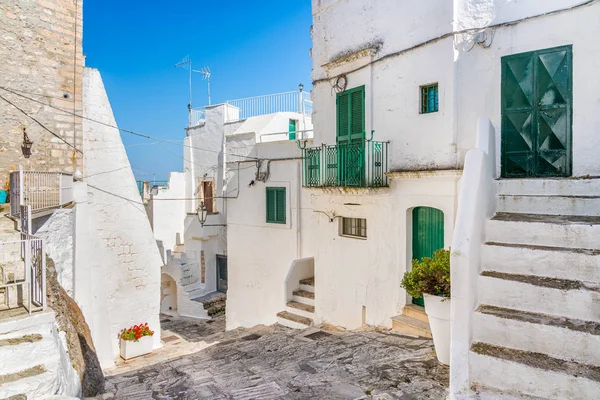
x: 476, y: 204
x: 23, y: 264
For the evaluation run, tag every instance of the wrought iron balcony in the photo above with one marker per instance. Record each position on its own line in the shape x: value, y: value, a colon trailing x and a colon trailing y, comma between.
x: 360, y: 164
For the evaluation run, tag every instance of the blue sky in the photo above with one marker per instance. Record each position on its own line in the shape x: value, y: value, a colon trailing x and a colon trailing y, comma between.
x: 252, y: 47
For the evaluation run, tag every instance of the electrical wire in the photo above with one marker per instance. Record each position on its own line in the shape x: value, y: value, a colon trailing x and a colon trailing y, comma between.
x: 40, y: 124
x: 171, y: 142
x: 455, y: 33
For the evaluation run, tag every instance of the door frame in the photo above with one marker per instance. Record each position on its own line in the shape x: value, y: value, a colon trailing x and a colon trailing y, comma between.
x: 414, y: 238
x: 218, y: 272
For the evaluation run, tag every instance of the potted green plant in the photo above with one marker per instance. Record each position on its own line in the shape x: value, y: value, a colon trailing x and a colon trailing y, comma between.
x: 136, y: 341
x: 430, y: 278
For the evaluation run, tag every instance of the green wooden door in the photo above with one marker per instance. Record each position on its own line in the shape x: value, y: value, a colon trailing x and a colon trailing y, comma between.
x: 537, y: 113
x: 428, y: 235
x: 350, y: 139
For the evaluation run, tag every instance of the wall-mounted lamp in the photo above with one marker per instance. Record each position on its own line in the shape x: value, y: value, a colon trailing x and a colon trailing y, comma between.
x: 202, y: 213
x: 26, y: 145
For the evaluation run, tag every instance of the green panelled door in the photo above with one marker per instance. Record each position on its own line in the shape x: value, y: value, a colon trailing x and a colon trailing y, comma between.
x: 350, y: 137
x: 537, y: 113
x: 428, y: 235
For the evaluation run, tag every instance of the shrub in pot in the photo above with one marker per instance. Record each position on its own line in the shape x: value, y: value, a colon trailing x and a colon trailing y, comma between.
x: 430, y: 278
x: 136, y: 341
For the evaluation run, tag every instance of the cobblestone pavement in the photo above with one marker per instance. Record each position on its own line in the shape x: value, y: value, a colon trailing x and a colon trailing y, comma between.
x: 279, y: 363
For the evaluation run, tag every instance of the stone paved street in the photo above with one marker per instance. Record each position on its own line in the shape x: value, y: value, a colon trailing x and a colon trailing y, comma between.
x: 280, y: 363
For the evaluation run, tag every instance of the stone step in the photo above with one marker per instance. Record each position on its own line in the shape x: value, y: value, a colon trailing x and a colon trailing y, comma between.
x: 301, y: 309
x: 25, y: 351
x: 549, y: 187
x: 555, y: 205
x: 558, y: 297
x: 416, y: 312
x: 410, y: 326
x: 308, y: 284
x: 293, y: 321
x: 554, y: 262
x: 534, y: 374
x: 579, y: 232
x: 564, y: 338
x: 35, y: 382
x: 303, y: 296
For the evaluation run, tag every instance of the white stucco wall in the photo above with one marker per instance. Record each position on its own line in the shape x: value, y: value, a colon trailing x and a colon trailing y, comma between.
x: 260, y: 254
x: 58, y: 233
x: 392, y: 86
x: 354, y: 273
x: 167, y: 213
x: 126, y: 263
x: 479, y: 72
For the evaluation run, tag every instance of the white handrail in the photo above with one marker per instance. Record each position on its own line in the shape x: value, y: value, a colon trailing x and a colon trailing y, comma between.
x: 476, y: 204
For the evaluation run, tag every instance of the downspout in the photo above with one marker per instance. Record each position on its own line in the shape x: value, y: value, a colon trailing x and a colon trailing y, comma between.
x: 298, y: 206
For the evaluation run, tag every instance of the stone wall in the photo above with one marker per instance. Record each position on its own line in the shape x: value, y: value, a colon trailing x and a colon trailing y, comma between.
x: 41, y: 53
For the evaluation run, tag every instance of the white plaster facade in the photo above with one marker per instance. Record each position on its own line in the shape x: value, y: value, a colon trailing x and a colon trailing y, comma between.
x: 219, y: 138
x: 392, y: 48
x: 116, y: 260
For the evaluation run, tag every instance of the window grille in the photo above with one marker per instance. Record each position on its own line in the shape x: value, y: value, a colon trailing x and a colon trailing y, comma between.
x: 355, y: 227
x: 429, y: 98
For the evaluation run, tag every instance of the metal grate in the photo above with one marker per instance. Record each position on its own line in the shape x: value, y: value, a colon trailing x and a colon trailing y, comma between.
x: 429, y: 98
x: 356, y: 227
x: 356, y: 164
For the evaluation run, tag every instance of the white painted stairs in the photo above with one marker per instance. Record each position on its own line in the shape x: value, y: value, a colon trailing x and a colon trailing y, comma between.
x: 536, y: 331
x: 299, y: 312
x: 35, y: 362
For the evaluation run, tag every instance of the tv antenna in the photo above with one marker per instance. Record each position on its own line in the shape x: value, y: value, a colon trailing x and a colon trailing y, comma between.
x: 186, y: 64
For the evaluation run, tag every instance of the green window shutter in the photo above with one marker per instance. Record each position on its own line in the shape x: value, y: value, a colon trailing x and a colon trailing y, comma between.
x: 351, y: 115
x: 357, y: 121
x: 270, y: 205
x: 276, y: 207
x: 343, y: 117
x: 280, y: 205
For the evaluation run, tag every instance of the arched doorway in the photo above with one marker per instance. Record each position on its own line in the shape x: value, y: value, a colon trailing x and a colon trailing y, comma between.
x: 168, y: 298
x: 427, y: 235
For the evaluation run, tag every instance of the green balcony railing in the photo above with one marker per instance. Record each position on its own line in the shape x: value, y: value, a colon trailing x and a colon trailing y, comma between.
x: 360, y: 164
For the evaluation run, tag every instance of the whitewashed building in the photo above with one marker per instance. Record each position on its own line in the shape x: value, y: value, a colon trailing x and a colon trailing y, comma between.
x: 189, y: 215
x: 402, y: 91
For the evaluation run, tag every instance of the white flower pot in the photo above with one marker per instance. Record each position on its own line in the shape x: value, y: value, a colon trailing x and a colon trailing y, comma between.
x: 438, y: 310
x: 131, y: 349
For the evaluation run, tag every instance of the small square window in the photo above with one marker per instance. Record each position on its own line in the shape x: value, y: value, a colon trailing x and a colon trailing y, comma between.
x: 353, y: 227
x: 429, y: 98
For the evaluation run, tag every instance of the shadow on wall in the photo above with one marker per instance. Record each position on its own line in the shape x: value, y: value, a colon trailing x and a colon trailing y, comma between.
x: 168, y: 302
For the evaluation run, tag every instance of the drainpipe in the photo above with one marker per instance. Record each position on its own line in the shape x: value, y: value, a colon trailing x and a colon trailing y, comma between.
x: 298, y: 204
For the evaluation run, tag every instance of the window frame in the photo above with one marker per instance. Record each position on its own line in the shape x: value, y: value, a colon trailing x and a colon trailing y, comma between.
x: 358, y: 228
x: 277, y: 220
x: 424, y: 98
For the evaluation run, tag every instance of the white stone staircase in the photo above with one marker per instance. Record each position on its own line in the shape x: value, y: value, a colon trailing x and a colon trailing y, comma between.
x: 35, y: 362
x: 299, y: 312
x: 536, y: 331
